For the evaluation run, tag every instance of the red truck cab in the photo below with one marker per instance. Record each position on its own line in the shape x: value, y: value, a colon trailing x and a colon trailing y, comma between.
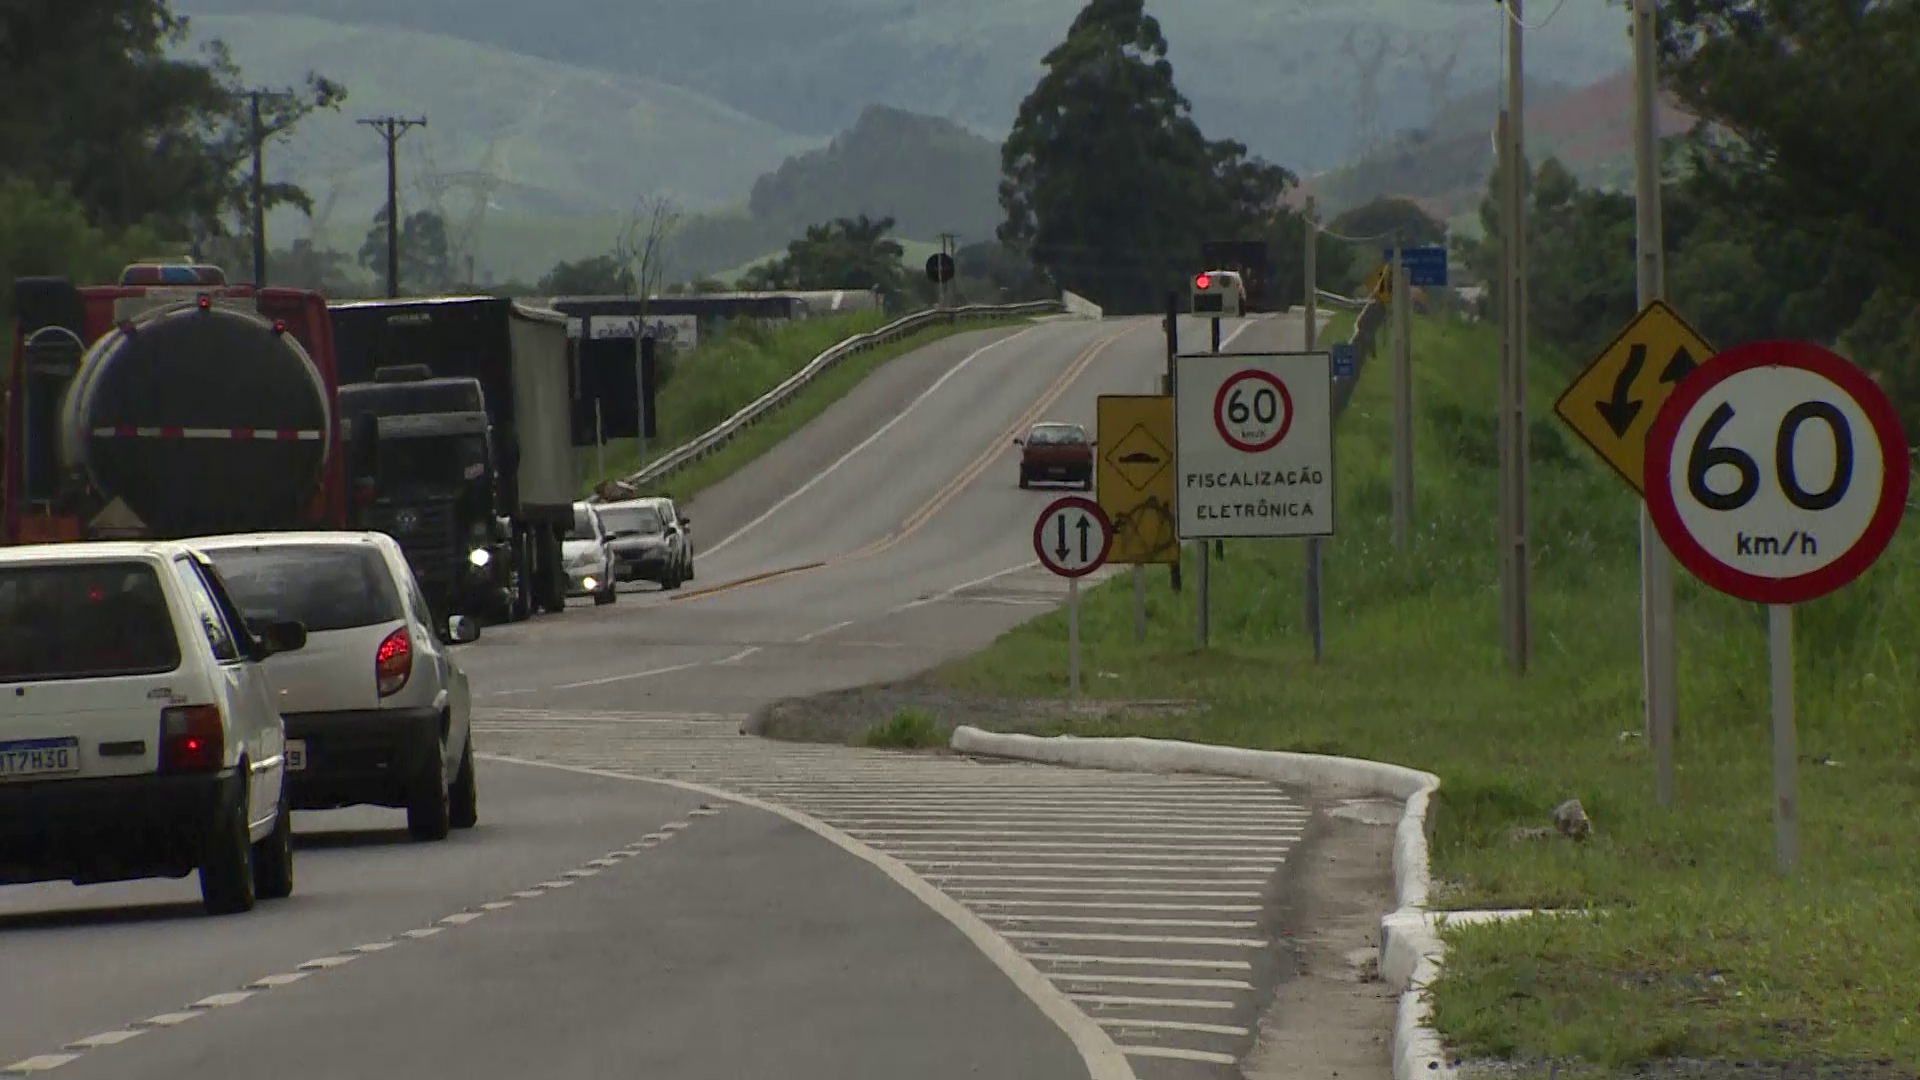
x: 79, y: 344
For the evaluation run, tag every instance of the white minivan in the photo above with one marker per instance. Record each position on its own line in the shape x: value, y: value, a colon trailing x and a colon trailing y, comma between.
x: 138, y: 734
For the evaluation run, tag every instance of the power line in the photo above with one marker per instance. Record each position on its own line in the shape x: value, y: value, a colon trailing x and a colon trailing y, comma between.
x: 391, y: 128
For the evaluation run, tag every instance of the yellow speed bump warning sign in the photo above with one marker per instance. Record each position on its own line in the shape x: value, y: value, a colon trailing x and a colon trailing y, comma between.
x: 1133, y: 476
x: 1612, y: 402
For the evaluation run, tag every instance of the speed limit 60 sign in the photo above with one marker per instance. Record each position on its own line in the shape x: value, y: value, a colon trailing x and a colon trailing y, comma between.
x: 1253, y: 444
x: 1777, y: 472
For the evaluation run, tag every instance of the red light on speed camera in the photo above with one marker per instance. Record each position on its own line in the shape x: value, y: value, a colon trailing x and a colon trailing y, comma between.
x: 1202, y: 282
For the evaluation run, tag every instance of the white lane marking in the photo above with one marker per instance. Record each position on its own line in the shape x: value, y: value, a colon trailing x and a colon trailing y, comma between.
x: 325, y: 962
x: 583, y: 872
x: 1137, y: 939
x: 810, y: 635
x: 1098, y: 1052
x: 737, y: 657
x: 1240, y: 822
x: 1093, y: 920
x: 648, y: 674
x: 45, y: 1062
x: 1084, y: 889
x: 1098, y: 834
x: 1152, y: 1002
x: 1156, y: 980
x: 1004, y: 865
x: 1042, y: 851
x: 948, y: 594
x: 1080, y: 881
x: 105, y: 1038
x: 1132, y: 905
x: 1146, y: 961
x: 956, y: 369
x: 1177, y: 1053
x: 556, y: 884
x: 38, y: 1063
x: 1175, y: 1025
x: 527, y: 894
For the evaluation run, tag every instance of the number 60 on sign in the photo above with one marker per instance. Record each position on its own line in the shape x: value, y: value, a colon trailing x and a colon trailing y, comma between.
x: 1777, y: 472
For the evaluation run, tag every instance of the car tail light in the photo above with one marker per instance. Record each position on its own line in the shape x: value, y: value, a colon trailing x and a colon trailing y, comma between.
x: 393, y: 662
x: 192, y: 738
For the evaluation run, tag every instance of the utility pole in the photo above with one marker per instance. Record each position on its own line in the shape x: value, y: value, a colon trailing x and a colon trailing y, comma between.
x: 1659, y: 662
x: 1515, y: 554
x: 1310, y: 308
x: 950, y: 247
x: 258, y: 136
x: 390, y: 129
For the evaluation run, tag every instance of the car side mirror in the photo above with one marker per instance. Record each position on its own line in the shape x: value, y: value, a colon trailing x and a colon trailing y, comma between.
x: 686, y: 522
x: 1019, y: 442
x: 462, y: 629
x: 283, y: 635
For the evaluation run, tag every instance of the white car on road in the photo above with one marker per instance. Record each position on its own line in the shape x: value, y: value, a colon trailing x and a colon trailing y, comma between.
x: 377, y: 711
x: 587, y: 551
x: 138, y: 732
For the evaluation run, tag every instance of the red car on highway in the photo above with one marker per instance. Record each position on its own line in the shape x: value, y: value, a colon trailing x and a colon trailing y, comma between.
x: 1056, y: 453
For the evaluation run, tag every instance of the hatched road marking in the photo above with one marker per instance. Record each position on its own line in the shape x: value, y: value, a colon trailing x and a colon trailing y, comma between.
x: 1141, y: 897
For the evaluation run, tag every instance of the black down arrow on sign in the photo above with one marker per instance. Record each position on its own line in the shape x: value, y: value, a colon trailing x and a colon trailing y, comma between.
x: 1620, y: 410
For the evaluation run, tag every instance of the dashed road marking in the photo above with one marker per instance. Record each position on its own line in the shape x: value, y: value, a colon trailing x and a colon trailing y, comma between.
x: 1113, y: 885
x: 72, y: 1051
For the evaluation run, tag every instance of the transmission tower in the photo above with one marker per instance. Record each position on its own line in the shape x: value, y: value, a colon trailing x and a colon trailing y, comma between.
x: 1438, y: 73
x: 1367, y: 64
x: 478, y: 184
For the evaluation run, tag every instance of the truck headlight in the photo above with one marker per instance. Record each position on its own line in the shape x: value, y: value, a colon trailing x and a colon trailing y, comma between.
x: 479, y: 557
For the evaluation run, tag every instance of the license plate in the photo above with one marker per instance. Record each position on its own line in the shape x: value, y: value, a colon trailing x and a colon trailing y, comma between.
x: 296, y: 755
x: 39, y: 757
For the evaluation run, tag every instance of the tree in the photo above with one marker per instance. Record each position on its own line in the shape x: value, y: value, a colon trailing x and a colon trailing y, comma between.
x: 1391, y: 218
x: 1812, y: 111
x: 845, y: 253
x: 640, y: 248
x: 46, y: 231
x: 165, y: 139
x: 601, y: 275
x: 426, y: 264
x: 1108, y: 184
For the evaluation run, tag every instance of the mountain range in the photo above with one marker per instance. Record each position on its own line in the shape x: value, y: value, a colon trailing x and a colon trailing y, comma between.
x: 575, y: 108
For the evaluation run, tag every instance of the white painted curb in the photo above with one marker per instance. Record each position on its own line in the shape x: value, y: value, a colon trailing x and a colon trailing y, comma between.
x: 1410, y: 949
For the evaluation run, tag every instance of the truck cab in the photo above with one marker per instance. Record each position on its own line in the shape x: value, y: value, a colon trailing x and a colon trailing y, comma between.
x: 433, y: 472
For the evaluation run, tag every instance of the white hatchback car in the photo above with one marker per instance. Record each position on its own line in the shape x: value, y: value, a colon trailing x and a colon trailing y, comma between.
x: 377, y: 711
x: 138, y: 734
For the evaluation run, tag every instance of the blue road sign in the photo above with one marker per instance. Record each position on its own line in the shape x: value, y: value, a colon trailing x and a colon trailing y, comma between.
x: 1343, y: 361
x: 1426, y: 266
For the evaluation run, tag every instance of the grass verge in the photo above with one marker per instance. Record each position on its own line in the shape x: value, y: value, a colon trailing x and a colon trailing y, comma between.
x: 1695, y: 948
x: 722, y: 375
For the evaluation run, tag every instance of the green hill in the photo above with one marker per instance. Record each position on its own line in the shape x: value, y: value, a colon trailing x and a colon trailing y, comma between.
x: 1273, y: 73
x: 563, y: 141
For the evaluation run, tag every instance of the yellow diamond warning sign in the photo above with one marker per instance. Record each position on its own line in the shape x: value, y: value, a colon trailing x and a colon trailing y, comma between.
x: 1138, y: 457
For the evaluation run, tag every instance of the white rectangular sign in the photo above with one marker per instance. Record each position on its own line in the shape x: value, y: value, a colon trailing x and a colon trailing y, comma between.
x: 1253, y: 445
x: 680, y: 331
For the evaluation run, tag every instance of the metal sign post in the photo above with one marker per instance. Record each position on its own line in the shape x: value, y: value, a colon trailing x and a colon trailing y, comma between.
x: 1777, y: 472
x: 1072, y: 539
x: 1310, y: 304
x: 1402, y: 403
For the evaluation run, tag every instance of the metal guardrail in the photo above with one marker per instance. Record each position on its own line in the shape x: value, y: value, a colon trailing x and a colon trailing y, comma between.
x: 766, y: 404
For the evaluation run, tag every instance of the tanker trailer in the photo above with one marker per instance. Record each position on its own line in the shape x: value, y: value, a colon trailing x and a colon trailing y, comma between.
x: 196, y: 418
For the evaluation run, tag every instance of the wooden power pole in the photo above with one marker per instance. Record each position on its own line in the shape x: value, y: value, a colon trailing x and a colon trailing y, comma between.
x: 390, y: 129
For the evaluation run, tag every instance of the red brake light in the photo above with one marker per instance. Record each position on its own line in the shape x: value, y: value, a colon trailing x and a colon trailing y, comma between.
x: 205, y: 302
x: 279, y: 326
x: 1202, y: 282
x: 192, y: 738
x: 393, y: 662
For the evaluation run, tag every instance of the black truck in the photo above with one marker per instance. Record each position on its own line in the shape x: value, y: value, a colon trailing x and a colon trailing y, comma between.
x: 470, y: 400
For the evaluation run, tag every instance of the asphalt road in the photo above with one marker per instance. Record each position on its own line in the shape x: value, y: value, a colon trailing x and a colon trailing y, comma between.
x: 688, y: 942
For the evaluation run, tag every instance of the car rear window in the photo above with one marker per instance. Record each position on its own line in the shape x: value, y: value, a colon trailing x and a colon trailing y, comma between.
x: 1055, y: 436
x: 644, y: 520
x: 322, y: 588
x: 85, y: 620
